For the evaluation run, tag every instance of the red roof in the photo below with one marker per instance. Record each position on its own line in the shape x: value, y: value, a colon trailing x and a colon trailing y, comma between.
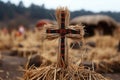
x: 41, y: 23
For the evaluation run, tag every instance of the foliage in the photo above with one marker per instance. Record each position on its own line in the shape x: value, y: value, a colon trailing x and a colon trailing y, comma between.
x: 10, y: 11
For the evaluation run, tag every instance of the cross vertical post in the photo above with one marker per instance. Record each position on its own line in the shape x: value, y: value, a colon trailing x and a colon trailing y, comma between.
x: 62, y: 16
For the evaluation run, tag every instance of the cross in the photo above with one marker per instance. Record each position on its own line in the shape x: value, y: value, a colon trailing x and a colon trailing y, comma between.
x: 63, y: 31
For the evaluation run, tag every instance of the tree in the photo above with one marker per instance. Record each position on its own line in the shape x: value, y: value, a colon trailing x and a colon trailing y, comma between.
x: 20, y: 8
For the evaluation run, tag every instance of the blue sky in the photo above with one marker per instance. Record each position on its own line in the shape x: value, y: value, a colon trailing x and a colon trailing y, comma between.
x: 92, y: 5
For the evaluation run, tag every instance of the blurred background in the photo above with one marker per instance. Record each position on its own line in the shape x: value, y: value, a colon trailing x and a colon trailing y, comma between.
x: 22, y: 34
x: 27, y: 12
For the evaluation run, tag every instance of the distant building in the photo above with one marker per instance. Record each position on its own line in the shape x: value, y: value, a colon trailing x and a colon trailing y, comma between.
x: 96, y: 24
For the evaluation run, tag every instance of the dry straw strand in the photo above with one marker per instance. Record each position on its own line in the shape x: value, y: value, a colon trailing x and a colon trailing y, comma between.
x: 72, y: 72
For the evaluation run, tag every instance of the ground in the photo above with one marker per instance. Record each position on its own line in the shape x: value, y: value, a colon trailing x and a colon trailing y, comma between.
x: 11, y: 68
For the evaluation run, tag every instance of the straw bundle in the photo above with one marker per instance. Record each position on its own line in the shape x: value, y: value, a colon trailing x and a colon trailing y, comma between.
x: 0, y: 58
x: 29, y: 45
x: 5, y: 41
x: 56, y: 72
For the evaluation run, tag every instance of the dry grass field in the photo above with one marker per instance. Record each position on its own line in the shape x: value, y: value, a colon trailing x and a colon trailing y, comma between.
x: 99, y: 53
x: 34, y: 55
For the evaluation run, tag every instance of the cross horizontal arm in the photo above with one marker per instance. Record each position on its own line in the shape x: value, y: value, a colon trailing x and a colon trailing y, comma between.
x: 64, y: 31
x: 52, y: 31
x: 71, y: 31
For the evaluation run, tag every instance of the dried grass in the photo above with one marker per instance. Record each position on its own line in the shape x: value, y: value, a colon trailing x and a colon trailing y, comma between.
x: 52, y: 72
x: 104, y: 55
x: 0, y: 58
x: 56, y: 72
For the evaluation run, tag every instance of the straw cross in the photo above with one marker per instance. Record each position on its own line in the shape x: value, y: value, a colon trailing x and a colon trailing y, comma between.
x: 62, y: 32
